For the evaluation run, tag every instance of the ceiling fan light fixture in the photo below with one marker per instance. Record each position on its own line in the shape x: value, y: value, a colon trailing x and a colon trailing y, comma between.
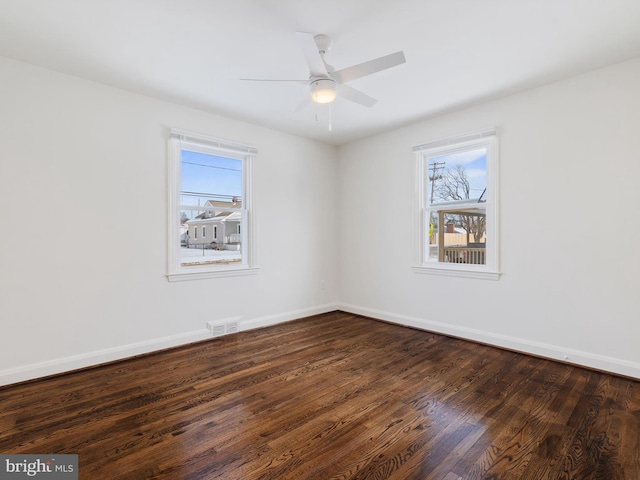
x: 323, y: 90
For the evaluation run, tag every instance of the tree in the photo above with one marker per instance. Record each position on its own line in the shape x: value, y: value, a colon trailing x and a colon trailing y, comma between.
x: 454, y: 186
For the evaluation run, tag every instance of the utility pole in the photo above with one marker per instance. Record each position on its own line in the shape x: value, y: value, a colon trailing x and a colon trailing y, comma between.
x: 434, y: 168
x: 434, y: 175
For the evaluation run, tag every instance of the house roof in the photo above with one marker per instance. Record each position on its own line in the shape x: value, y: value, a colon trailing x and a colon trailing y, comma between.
x: 222, y: 210
x: 219, y: 218
x: 221, y: 204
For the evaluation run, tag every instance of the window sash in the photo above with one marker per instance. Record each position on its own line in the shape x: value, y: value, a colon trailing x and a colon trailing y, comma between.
x: 180, y: 140
x: 423, y: 153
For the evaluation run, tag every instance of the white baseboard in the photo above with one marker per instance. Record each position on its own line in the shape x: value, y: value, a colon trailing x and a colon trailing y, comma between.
x: 66, y: 364
x: 285, y: 317
x: 553, y: 352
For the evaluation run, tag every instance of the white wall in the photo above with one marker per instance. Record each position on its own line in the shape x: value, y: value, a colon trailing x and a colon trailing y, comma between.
x: 570, y: 256
x: 83, y: 204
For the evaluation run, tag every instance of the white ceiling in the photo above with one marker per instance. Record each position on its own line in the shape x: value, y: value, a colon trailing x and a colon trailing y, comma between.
x: 194, y: 52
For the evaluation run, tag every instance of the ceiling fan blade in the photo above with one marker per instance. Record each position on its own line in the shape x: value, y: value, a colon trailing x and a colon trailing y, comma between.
x: 367, y: 68
x: 350, y: 93
x: 301, y: 82
x: 310, y: 51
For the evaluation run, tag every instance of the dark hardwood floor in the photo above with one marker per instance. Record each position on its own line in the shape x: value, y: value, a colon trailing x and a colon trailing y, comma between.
x: 334, y: 396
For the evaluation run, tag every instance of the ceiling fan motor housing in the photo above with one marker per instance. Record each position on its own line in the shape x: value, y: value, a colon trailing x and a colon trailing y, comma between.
x: 323, y: 90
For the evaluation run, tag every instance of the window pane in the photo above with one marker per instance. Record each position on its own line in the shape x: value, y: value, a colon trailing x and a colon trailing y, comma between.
x: 457, y: 177
x: 218, y: 245
x: 209, y: 177
x: 461, y: 239
x: 209, y: 231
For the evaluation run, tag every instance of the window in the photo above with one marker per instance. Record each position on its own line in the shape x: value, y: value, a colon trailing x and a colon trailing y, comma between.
x: 209, y: 186
x: 457, y: 206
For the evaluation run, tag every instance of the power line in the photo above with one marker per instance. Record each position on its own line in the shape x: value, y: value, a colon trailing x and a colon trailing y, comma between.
x: 207, y: 195
x: 213, y: 166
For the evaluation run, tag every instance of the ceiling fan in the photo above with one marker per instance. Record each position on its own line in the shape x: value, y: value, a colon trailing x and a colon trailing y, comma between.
x: 326, y: 83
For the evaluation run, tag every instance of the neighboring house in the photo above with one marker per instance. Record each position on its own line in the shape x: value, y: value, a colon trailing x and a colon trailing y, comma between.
x: 184, y: 228
x: 218, y: 228
x: 184, y: 236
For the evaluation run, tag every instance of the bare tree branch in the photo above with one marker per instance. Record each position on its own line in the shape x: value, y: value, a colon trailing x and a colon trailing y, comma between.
x: 454, y: 185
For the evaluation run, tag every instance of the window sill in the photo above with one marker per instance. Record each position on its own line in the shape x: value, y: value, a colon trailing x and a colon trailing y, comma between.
x: 202, y: 274
x: 455, y: 271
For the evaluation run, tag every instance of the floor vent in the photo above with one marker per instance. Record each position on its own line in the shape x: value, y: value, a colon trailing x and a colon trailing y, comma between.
x: 223, y: 327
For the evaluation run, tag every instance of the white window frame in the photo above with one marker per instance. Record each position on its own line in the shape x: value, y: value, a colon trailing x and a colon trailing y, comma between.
x: 482, y: 138
x: 179, y: 140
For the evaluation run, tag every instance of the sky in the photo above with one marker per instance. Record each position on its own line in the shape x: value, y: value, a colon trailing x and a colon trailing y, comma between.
x: 209, y: 174
x: 475, y: 166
